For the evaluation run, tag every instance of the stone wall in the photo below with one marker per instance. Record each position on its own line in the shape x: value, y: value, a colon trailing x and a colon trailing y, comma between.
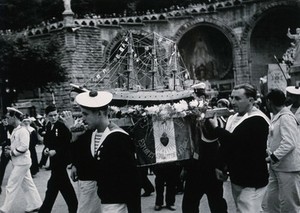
x: 256, y: 30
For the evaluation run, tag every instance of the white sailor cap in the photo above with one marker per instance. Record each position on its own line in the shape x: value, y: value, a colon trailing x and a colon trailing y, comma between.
x: 224, y: 101
x: 32, y: 119
x: 94, y: 99
x: 295, y: 90
x: 12, y: 109
x: 200, y: 86
x: 38, y: 116
x: 27, y: 119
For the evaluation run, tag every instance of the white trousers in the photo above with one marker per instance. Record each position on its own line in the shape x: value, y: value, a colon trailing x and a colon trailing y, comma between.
x: 20, y: 177
x: 283, y: 193
x: 114, y: 208
x: 247, y: 199
x: 88, y: 199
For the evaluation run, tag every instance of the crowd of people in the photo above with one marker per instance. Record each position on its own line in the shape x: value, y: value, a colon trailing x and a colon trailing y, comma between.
x: 257, y: 148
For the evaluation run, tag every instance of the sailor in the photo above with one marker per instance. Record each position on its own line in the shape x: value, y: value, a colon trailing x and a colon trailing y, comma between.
x: 114, y: 153
x: 223, y: 102
x: 57, y: 143
x: 200, y: 171
x: 294, y: 94
x: 82, y: 159
x: 200, y: 89
x: 20, y: 177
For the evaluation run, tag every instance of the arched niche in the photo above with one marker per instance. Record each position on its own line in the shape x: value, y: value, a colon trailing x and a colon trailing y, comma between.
x: 268, y: 38
x: 208, y: 55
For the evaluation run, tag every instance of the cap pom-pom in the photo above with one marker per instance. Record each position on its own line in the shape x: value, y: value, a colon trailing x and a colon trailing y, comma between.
x: 93, y: 93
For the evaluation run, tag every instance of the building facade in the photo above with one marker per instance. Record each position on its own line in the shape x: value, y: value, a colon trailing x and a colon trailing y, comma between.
x: 227, y: 42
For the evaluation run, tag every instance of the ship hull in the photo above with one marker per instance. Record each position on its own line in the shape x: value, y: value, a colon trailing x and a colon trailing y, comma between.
x: 146, y: 98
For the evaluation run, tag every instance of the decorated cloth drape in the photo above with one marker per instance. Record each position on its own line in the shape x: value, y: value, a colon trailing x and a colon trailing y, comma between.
x: 161, y: 140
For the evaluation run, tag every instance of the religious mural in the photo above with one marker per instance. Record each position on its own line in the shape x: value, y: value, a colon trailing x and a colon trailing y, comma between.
x: 207, y: 54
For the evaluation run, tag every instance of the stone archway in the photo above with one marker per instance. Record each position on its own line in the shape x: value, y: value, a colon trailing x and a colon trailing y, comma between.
x: 207, y: 54
x: 208, y: 48
x: 265, y: 36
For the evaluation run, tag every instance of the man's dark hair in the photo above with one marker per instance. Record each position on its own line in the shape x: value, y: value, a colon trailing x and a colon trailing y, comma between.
x: 50, y: 108
x: 277, y: 97
x: 250, y: 90
x: 200, y: 92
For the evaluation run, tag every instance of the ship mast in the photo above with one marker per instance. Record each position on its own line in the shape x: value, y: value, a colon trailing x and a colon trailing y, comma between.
x: 129, y: 70
x: 174, y: 71
x: 154, y: 62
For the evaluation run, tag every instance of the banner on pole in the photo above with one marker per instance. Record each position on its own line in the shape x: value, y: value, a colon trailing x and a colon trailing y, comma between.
x: 277, y: 76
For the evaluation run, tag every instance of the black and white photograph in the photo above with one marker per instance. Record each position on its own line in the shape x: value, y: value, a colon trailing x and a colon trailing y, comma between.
x: 143, y: 106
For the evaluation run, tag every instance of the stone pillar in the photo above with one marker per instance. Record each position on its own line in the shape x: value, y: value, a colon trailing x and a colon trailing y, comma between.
x: 68, y: 18
x: 69, y: 25
x: 68, y: 14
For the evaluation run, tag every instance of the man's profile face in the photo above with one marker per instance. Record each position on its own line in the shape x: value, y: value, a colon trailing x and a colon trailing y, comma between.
x: 240, y: 102
x: 90, y: 118
x: 4, y: 121
x: 10, y: 119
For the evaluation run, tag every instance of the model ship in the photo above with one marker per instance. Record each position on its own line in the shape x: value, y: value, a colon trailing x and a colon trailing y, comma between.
x: 144, y: 69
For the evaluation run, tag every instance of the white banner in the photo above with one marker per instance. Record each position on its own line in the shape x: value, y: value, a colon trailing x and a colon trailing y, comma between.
x: 164, y: 137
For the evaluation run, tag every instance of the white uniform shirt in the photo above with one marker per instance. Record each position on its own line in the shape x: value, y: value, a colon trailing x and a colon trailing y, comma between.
x: 20, y: 138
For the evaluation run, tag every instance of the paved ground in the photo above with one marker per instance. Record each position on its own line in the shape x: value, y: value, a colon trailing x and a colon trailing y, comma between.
x: 60, y: 206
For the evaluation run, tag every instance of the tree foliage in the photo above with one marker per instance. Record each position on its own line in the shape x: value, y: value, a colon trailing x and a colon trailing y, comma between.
x: 27, y: 65
x: 17, y: 14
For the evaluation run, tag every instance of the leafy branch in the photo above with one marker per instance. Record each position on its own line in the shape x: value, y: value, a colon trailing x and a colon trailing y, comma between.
x: 27, y: 65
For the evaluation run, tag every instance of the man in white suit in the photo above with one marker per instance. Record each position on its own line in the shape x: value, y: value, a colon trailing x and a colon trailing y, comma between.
x: 20, y: 176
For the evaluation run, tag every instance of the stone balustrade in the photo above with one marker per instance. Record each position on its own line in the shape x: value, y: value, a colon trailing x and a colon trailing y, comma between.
x: 97, y: 21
